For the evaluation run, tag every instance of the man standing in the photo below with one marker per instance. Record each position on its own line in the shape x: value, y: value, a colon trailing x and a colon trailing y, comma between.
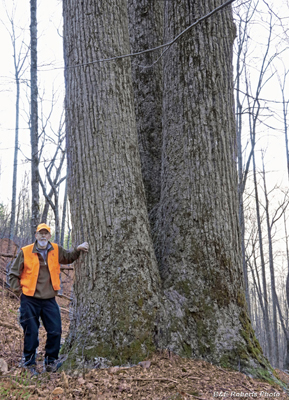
x: 35, y: 275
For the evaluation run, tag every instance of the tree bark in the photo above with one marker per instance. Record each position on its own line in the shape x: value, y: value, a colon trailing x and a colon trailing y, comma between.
x: 117, y: 285
x: 125, y: 304
x: 146, y: 31
x: 34, y: 119
x: 198, y: 245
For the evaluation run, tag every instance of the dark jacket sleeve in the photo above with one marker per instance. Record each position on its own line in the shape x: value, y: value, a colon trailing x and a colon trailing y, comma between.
x: 67, y: 256
x: 16, y: 272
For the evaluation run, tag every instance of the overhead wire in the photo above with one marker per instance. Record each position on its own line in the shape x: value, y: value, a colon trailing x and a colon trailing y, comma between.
x: 165, y: 45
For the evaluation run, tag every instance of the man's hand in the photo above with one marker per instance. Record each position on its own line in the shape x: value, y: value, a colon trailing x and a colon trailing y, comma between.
x: 83, y: 247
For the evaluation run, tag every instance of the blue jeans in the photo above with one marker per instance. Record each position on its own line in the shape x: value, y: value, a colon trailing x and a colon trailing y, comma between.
x: 31, y: 309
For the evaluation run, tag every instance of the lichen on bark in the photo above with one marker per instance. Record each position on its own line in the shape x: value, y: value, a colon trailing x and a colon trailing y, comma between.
x: 178, y: 286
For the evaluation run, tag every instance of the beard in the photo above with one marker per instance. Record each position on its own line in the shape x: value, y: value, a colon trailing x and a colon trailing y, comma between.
x: 43, y: 243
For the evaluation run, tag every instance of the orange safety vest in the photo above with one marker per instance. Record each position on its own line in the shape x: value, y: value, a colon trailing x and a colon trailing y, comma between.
x: 28, y: 280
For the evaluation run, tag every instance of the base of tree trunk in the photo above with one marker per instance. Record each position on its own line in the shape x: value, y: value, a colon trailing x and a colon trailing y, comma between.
x: 244, y: 354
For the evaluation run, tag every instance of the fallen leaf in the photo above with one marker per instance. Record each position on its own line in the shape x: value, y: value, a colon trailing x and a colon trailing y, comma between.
x: 77, y: 391
x: 90, y: 385
x: 64, y: 379
x: 113, y: 370
x: 81, y: 381
x: 58, y: 390
x: 122, y: 388
x: 3, y: 366
x: 145, y: 364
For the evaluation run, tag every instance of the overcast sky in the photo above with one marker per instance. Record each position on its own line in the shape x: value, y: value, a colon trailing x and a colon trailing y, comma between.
x: 50, y: 79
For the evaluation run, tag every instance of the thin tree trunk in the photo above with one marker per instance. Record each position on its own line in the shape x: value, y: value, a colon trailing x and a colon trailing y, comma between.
x: 54, y: 191
x: 276, y: 358
x: 46, y: 207
x: 285, y: 113
x: 20, y: 199
x: 69, y: 229
x: 63, y: 219
x: 56, y: 217
x: 53, y: 183
x: 263, y: 266
x: 285, y: 104
x: 19, y: 59
x: 287, y: 257
x: 285, y: 331
x: 242, y: 172
x: 257, y: 285
x: 34, y: 120
x: 14, y: 184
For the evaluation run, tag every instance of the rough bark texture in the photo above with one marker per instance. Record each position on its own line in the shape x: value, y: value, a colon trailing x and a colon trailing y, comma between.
x: 198, y: 233
x: 120, y: 290
x: 146, y: 31
x: 116, y: 304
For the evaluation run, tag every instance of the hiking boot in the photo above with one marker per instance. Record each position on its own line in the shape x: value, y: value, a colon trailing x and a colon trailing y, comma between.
x: 53, y: 367
x: 31, y: 369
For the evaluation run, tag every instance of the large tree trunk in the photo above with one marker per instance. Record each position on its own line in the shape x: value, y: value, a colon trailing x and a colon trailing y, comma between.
x: 198, y: 233
x: 118, y: 308
x: 117, y: 285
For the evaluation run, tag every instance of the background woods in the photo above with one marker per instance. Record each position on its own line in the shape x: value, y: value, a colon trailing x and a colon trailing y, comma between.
x: 180, y: 196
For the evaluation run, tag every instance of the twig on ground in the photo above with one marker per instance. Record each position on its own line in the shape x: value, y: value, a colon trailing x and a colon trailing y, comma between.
x: 9, y: 326
x: 149, y: 379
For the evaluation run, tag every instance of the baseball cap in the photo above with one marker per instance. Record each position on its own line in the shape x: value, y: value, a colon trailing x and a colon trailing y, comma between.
x: 43, y: 226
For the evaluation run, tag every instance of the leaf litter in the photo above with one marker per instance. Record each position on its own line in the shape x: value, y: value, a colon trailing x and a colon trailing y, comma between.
x: 164, y: 376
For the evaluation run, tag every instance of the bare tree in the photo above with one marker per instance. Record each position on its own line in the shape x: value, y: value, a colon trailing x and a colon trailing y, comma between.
x: 252, y: 112
x: 270, y: 222
x: 64, y: 212
x: 285, y: 105
x: 34, y: 119
x: 19, y: 59
x: 286, y: 361
x: 263, y: 265
x: 53, y: 170
x: 241, y: 50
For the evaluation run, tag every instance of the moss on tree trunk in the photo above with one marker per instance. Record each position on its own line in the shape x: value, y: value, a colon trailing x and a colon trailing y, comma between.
x: 180, y: 286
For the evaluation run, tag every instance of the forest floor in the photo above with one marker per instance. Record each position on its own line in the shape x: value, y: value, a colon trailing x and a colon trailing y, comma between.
x: 163, y: 377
